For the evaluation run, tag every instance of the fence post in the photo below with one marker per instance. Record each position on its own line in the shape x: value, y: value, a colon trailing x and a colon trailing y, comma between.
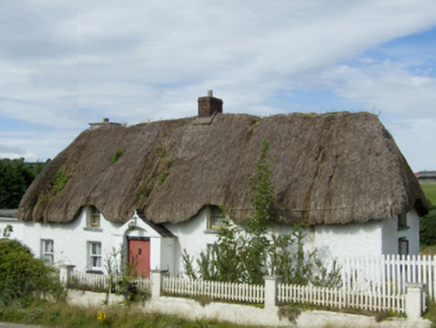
x: 157, y: 276
x: 271, y: 283
x: 65, y: 271
x: 415, y: 293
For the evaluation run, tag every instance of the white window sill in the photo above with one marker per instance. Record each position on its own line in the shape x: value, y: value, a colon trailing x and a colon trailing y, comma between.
x: 210, y: 232
x: 93, y: 229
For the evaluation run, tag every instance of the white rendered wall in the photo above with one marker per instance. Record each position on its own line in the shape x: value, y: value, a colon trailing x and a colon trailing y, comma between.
x: 391, y: 234
x: 192, y: 235
x: 167, y: 255
x: 354, y: 239
x: 330, y: 241
x: 70, y: 239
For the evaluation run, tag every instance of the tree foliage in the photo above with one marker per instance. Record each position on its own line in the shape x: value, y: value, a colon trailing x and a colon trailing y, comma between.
x: 427, y: 226
x: 15, y: 177
x: 246, y: 253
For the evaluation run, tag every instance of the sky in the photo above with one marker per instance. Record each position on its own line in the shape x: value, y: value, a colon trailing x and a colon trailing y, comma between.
x: 64, y: 64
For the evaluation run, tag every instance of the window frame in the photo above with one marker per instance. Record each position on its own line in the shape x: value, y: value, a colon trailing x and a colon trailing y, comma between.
x: 402, y: 222
x: 94, y: 218
x: 213, y: 217
x: 98, y: 256
x: 45, y: 252
x: 403, y: 241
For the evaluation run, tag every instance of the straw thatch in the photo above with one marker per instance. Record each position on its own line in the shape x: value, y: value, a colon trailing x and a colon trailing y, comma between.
x: 330, y: 168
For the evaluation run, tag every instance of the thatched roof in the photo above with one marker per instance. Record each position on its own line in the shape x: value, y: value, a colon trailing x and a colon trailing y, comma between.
x: 330, y: 168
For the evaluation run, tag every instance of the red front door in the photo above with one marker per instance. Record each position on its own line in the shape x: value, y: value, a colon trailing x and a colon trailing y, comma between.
x: 139, y: 257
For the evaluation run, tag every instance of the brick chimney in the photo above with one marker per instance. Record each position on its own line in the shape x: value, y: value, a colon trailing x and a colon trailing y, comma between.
x: 209, y: 106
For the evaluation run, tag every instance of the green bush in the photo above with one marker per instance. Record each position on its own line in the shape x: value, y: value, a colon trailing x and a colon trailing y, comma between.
x: 428, y: 228
x: 24, y: 277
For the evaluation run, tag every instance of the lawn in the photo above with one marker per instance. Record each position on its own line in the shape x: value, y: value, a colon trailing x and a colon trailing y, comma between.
x: 61, y: 314
x: 430, y: 191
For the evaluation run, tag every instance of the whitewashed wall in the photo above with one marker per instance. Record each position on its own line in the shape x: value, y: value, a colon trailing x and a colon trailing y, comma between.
x: 331, y: 241
x: 391, y: 234
x: 70, y: 239
x: 192, y: 235
x: 336, y: 241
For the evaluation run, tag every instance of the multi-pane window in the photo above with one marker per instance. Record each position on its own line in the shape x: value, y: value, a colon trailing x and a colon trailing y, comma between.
x: 216, y: 218
x: 47, y: 250
x: 94, y: 250
x: 94, y: 220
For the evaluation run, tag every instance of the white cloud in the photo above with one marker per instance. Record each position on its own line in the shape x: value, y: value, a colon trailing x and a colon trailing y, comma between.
x: 64, y: 64
x: 389, y: 87
x: 415, y: 137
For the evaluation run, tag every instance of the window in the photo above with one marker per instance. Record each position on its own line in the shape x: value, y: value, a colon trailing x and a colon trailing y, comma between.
x: 94, y: 220
x: 94, y: 256
x: 47, y: 250
x: 216, y: 218
x: 403, y: 246
x: 402, y: 222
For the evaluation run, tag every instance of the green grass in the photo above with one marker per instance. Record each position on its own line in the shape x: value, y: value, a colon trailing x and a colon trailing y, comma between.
x: 430, y: 314
x: 61, y: 314
x: 430, y: 192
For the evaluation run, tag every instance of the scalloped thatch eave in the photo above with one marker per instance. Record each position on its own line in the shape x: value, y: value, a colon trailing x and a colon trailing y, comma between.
x: 328, y: 169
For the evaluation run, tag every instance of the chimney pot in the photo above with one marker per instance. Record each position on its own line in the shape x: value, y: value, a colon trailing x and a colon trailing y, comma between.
x: 106, y: 120
x: 210, y: 93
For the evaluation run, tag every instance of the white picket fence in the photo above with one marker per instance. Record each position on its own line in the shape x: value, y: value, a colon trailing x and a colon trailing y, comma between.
x: 214, y: 289
x: 99, y: 282
x: 389, y: 274
x: 342, y: 298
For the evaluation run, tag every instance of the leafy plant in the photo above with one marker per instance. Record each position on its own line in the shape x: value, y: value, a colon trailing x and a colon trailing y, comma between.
x: 60, y: 180
x: 24, y: 277
x: 7, y: 231
x: 116, y: 155
x: 162, y: 178
x: 122, y: 274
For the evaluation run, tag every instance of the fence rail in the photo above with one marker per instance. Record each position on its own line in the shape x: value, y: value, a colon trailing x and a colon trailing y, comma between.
x: 342, y: 298
x: 99, y: 282
x: 215, y: 289
x: 381, y: 299
x: 389, y: 274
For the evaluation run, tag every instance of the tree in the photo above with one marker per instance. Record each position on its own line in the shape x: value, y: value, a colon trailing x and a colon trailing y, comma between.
x: 15, y: 178
x: 38, y: 166
x: 427, y: 226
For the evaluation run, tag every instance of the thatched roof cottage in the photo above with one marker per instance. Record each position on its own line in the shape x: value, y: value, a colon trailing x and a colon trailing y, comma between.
x: 165, y: 182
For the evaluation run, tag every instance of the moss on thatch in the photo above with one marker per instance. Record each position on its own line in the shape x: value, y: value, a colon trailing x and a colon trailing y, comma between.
x: 330, y: 168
